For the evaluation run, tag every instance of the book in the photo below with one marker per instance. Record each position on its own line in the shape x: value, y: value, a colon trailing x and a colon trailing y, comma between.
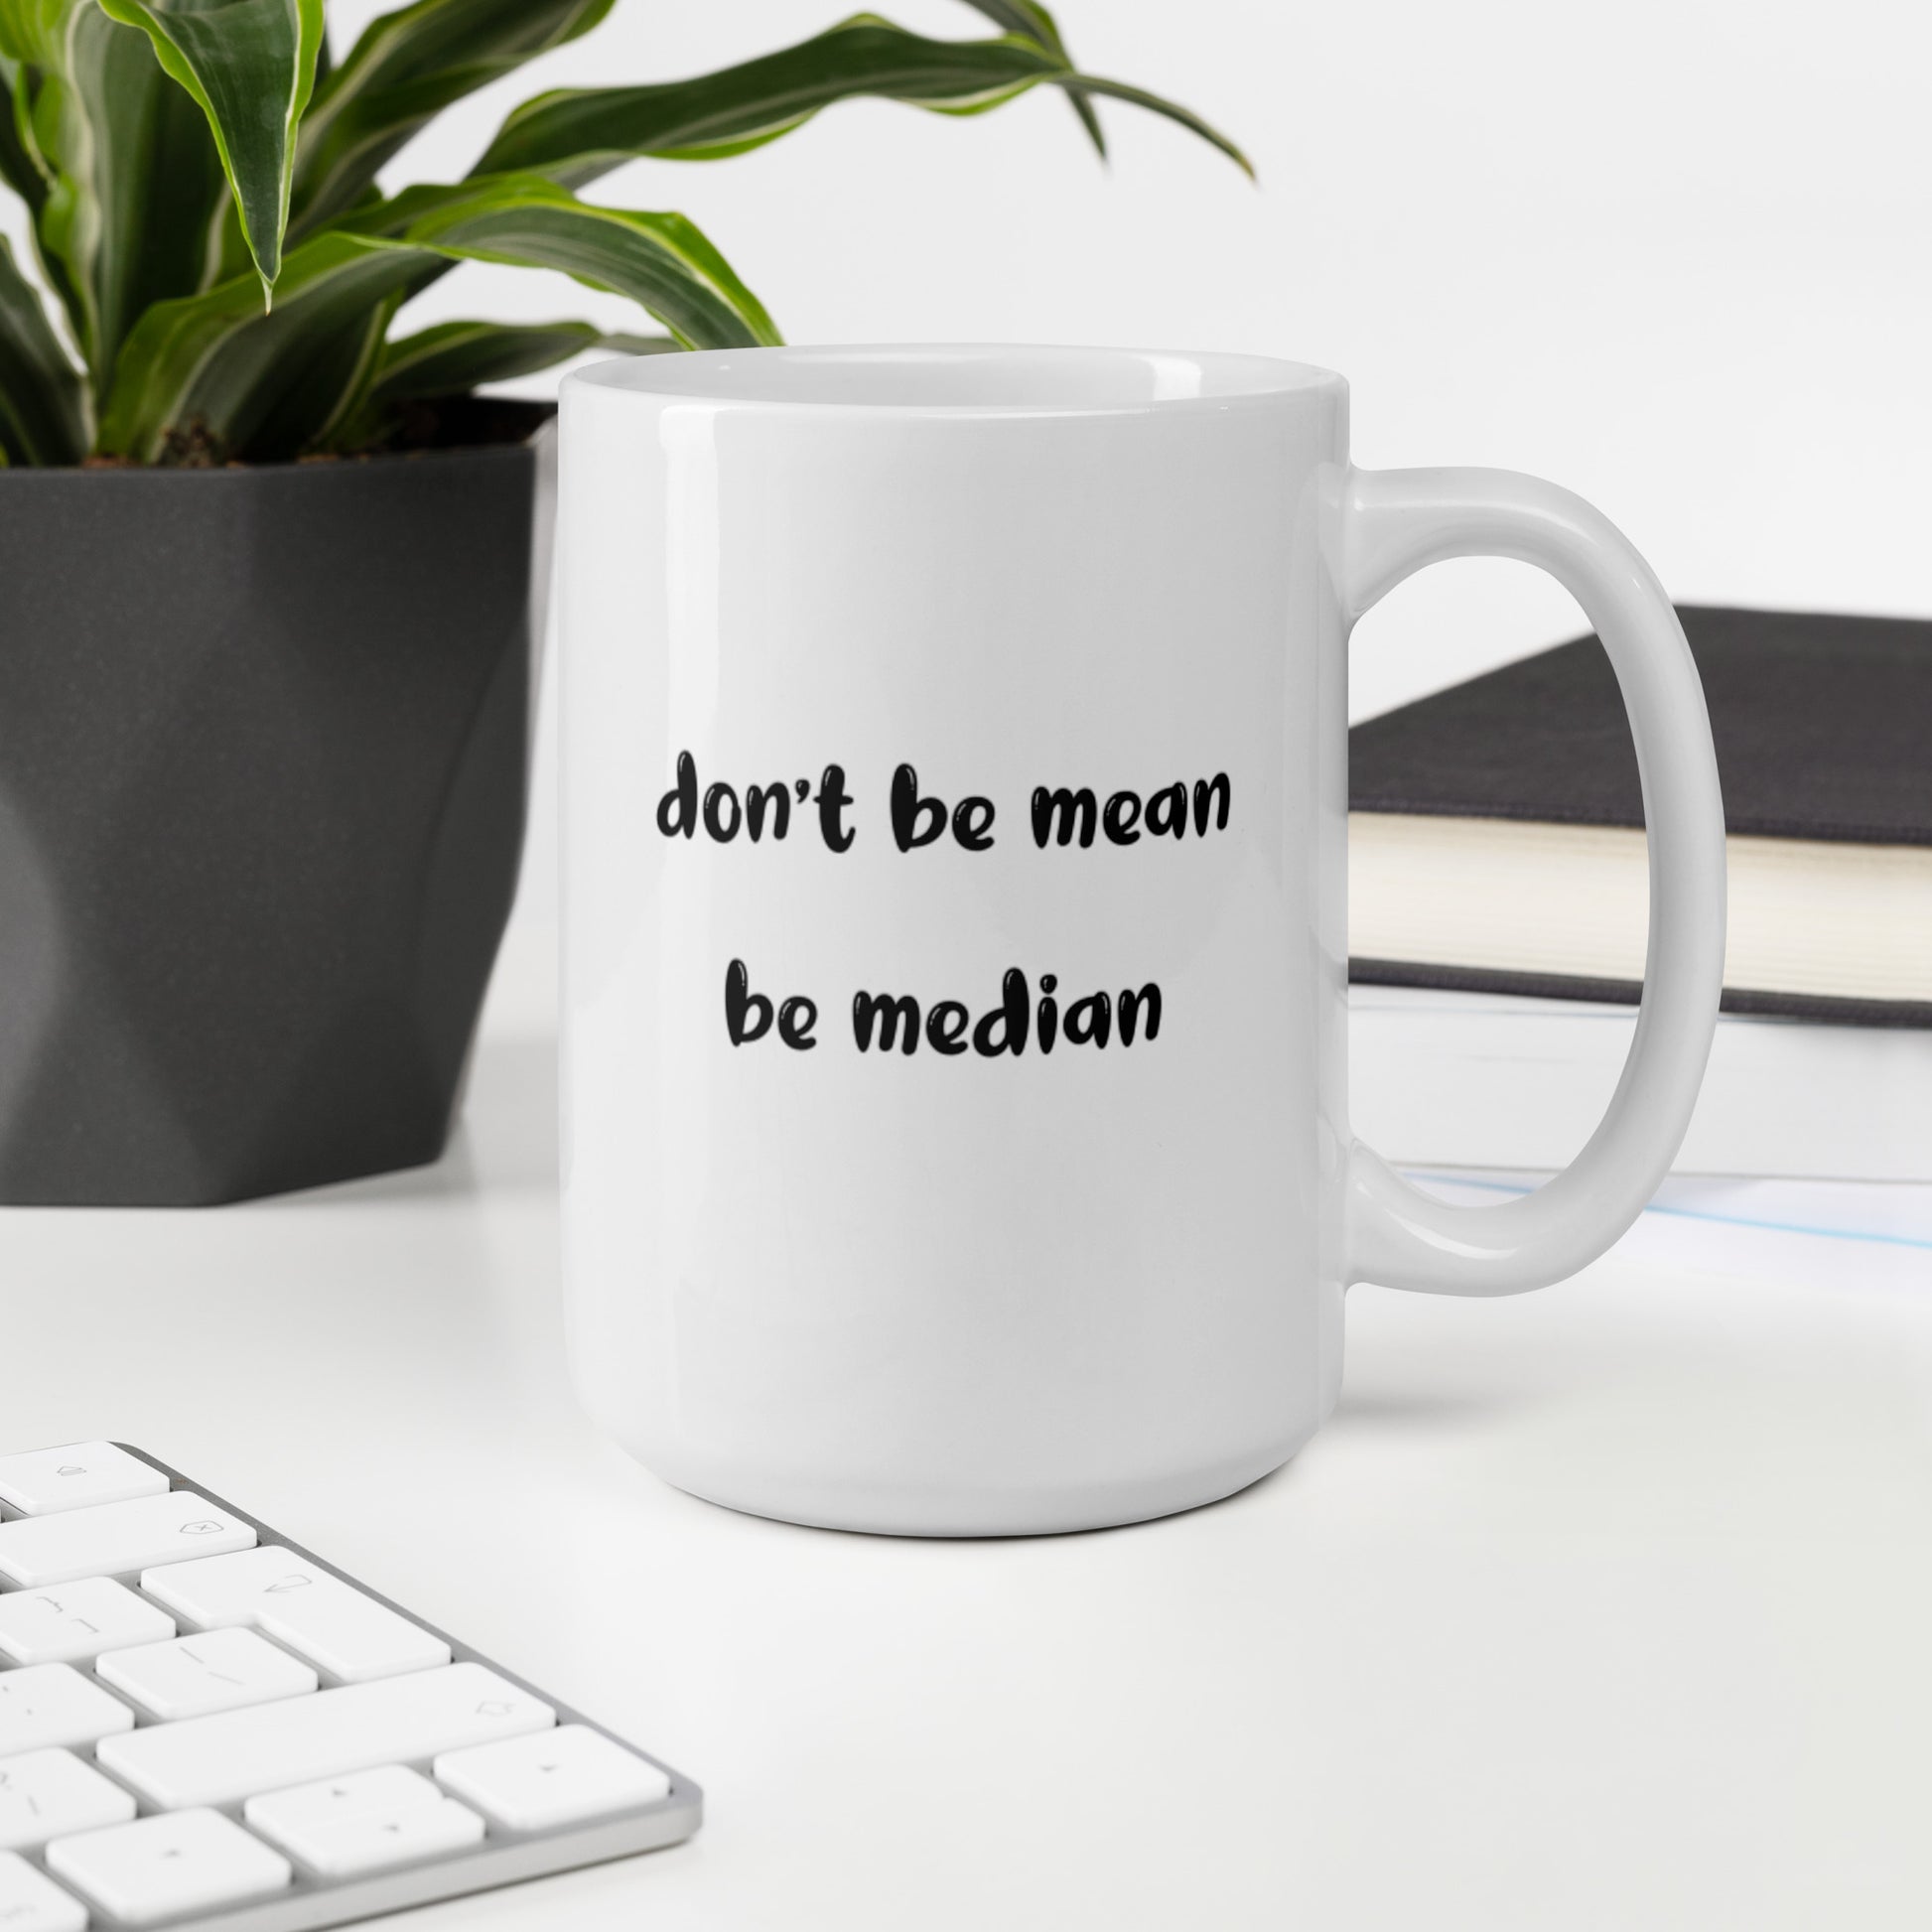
x: 1496, y: 829
x: 1441, y: 1079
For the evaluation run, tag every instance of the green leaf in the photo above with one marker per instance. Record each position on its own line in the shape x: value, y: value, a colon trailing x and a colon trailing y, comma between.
x: 31, y: 30
x: 20, y: 166
x: 250, y: 67
x: 576, y: 134
x: 30, y: 174
x: 454, y: 358
x: 407, y: 67
x: 135, y: 180
x: 42, y: 410
x: 214, y: 369
x: 1168, y: 110
x: 661, y: 261
x: 1037, y: 24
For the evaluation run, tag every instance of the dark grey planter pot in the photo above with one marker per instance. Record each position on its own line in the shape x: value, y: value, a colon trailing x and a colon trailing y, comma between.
x: 263, y: 751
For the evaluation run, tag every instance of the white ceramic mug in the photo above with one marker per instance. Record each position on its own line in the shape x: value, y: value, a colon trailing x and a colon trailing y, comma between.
x: 955, y: 1096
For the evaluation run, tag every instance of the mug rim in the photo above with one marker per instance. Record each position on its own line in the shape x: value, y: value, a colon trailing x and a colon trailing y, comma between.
x: 805, y: 377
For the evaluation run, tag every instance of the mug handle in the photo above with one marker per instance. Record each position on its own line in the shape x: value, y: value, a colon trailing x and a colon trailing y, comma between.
x: 1394, y: 523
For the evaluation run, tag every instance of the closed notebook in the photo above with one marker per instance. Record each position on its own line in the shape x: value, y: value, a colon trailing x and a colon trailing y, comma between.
x: 1496, y: 829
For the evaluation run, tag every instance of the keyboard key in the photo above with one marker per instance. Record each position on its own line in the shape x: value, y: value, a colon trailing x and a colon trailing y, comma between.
x: 29, y: 1902
x: 217, y: 1670
x: 73, y: 1623
x: 377, y: 1840
x: 352, y: 1637
x: 557, y: 1777
x: 161, y: 1867
x: 52, y: 1794
x: 116, y: 1538
x: 389, y: 1788
x: 201, y: 1725
x: 52, y: 1704
x: 79, y: 1476
x: 219, y: 1761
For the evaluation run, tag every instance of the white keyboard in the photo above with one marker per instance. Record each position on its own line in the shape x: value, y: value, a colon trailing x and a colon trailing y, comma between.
x: 201, y: 1725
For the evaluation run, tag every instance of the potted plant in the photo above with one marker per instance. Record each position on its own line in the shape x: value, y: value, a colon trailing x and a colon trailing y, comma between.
x: 266, y: 564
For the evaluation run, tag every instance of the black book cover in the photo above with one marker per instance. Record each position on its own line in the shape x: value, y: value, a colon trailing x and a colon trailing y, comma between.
x: 1822, y: 726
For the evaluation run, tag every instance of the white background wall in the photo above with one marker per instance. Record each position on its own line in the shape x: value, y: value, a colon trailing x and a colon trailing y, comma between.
x: 1676, y: 254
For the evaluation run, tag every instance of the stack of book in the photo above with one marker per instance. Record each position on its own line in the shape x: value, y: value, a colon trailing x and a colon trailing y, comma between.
x: 1498, y: 905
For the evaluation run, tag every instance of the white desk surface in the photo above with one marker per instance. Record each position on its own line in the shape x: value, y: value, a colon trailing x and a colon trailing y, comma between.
x: 1609, y: 1607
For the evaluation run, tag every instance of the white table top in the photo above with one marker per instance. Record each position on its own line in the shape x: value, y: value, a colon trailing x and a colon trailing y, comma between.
x: 1606, y: 1607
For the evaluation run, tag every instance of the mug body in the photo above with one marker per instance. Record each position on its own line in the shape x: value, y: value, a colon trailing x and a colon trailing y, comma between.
x: 954, y: 962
